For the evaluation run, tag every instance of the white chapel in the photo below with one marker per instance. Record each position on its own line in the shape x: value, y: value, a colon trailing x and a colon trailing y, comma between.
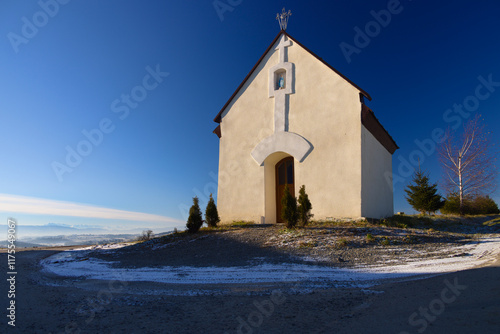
x: 296, y: 120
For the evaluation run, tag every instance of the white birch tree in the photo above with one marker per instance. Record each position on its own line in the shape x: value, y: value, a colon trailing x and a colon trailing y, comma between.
x: 468, y: 161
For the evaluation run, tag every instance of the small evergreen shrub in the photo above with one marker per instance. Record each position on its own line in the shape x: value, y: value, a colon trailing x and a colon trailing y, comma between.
x: 304, y: 208
x: 211, y: 213
x: 195, y: 219
x: 289, y: 208
x: 423, y: 196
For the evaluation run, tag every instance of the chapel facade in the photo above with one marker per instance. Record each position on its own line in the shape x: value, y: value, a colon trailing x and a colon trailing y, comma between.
x: 295, y: 120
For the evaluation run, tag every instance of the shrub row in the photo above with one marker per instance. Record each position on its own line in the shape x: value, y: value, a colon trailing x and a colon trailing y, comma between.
x: 195, y: 219
x: 480, y: 205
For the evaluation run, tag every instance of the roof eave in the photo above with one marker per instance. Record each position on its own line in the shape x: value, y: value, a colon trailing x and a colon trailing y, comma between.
x: 373, y: 125
x: 217, y: 119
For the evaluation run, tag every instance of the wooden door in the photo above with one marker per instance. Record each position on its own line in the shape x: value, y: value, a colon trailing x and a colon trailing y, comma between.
x: 284, y: 176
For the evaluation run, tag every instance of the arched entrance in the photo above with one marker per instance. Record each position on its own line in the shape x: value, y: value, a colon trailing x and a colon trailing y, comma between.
x: 284, y: 176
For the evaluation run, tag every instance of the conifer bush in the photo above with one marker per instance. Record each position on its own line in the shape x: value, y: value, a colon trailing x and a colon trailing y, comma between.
x: 195, y: 219
x: 304, y: 208
x: 211, y: 213
x: 423, y: 196
x: 289, y: 208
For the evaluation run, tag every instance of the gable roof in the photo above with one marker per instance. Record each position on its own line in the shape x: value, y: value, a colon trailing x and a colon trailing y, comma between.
x: 218, y: 118
x: 373, y: 125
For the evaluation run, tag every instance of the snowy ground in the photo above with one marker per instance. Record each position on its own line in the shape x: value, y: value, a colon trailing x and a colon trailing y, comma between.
x: 76, y: 263
x: 469, y: 255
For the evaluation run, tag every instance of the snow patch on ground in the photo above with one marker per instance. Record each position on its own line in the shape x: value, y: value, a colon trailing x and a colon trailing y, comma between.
x: 76, y: 263
x: 105, y: 247
x: 470, y: 255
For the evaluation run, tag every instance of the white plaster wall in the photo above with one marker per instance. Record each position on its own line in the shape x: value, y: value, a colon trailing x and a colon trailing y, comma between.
x: 327, y: 112
x: 377, y: 192
x: 245, y: 122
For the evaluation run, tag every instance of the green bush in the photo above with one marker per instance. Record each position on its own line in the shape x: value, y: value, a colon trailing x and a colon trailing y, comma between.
x: 305, y: 206
x: 480, y: 205
x: 289, y: 208
x: 211, y: 213
x: 452, y: 205
x: 484, y: 205
x: 195, y: 219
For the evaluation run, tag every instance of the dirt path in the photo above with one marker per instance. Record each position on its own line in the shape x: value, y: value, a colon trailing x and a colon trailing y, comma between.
x: 462, y: 302
x: 113, y: 307
x: 470, y: 305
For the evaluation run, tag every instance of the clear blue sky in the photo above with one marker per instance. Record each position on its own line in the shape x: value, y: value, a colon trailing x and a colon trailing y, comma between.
x: 81, y: 65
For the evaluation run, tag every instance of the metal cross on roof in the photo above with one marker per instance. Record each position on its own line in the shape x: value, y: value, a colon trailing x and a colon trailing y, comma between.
x: 283, y: 18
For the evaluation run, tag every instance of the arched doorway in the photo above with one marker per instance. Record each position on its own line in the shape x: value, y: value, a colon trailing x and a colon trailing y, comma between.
x: 284, y: 176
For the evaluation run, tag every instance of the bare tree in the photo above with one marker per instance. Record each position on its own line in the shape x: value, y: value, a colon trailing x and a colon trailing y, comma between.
x: 468, y: 161
x: 146, y: 235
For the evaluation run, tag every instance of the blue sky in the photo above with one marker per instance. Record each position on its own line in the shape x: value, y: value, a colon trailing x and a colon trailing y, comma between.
x: 150, y: 76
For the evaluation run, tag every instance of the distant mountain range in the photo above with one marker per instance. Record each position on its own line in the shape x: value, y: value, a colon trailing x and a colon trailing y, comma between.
x: 66, y: 235
x: 56, y: 229
x: 71, y: 240
x: 51, y: 229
